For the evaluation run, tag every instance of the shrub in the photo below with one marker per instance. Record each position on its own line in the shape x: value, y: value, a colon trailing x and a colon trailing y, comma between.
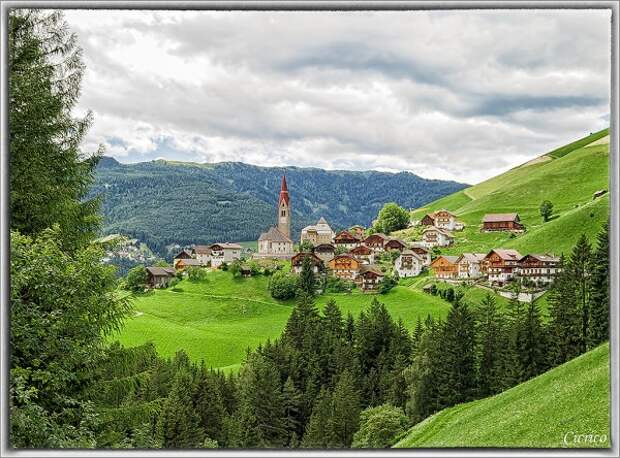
x: 282, y: 285
x: 196, y: 273
x: 136, y: 279
x: 380, y: 427
x: 337, y: 285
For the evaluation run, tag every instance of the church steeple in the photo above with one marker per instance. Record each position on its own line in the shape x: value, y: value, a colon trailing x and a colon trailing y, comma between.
x: 284, y: 209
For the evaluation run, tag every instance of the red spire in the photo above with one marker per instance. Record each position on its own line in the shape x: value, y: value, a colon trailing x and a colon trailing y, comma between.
x: 283, y: 191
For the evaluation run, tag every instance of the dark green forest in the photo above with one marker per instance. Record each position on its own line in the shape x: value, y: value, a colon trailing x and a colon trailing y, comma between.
x: 163, y: 202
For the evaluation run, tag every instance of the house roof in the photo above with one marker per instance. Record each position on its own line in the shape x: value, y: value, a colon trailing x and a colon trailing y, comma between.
x: 437, y: 229
x: 274, y: 235
x: 227, y: 246
x: 507, y: 255
x: 346, y: 234
x: 325, y: 247
x: 202, y: 249
x: 393, y: 239
x: 190, y: 262
x: 362, y: 247
x: 185, y: 252
x: 408, y: 252
x: 500, y: 217
x: 299, y: 258
x: 472, y: 257
x: 320, y: 226
x: 542, y: 257
x: 161, y: 271
x: 371, y: 268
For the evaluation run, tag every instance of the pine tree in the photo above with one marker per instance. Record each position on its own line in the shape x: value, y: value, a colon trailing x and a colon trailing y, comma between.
x: 316, y: 434
x: 515, y: 321
x: 598, y: 330
x: 579, y: 269
x: 306, y: 284
x: 179, y: 422
x: 533, y: 343
x: 49, y: 177
x: 489, y: 336
x: 345, y: 411
x: 333, y: 322
x: 209, y: 405
x: 292, y: 403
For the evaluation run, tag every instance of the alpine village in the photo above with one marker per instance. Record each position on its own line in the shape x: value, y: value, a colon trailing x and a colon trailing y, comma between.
x: 222, y: 305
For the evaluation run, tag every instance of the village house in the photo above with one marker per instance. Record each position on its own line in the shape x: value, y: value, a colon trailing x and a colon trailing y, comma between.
x: 369, y: 278
x: 363, y: 253
x: 183, y: 254
x: 394, y: 244
x: 276, y: 242
x: 469, y: 265
x: 539, y: 269
x: 434, y: 236
x: 159, y: 277
x: 224, y: 253
x: 297, y: 262
x: 182, y: 264
x: 376, y: 241
x: 345, y: 267
x: 424, y: 253
x: 325, y: 252
x: 501, y: 265
x: 502, y: 222
x: 409, y: 264
x: 202, y: 253
x: 346, y: 240
x: 318, y: 233
x: 442, y: 219
x: 445, y: 267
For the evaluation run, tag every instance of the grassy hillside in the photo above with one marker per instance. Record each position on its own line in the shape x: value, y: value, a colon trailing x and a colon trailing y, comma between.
x: 570, y: 399
x: 219, y: 318
x: 567, y: 176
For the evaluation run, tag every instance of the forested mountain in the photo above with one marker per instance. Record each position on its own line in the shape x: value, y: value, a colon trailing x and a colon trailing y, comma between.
x: 162, y: 202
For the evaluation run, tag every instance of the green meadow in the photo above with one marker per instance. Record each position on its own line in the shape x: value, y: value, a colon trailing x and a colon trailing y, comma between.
x: 218, y: 319
x: 548, y: 411
x: 567, y: 177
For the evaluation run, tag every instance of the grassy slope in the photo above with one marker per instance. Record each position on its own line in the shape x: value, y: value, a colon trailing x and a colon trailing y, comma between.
x: 218, y: 319
x: 567, y: 176
x: 538, y: 413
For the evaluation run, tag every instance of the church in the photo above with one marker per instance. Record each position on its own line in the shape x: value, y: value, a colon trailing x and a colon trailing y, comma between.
x: 276, y: 242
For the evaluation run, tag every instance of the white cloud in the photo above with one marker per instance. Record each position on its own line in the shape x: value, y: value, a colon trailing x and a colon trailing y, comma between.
x: 459, y: 95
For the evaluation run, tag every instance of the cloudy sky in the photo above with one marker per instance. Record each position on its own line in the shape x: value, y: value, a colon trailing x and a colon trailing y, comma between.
x: 459, y: 95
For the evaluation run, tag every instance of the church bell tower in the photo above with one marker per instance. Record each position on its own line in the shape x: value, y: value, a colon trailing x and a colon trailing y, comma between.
x: 284, y: 210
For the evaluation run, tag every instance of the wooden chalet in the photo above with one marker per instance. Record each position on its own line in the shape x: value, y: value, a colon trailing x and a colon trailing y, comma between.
x: 502, y: 222
x: 501, y: 265
x: 358, y: 231
x: 297, y: 262
x: 435, y: 236
x: 394, y: 244
x: 428, y: 220
x: 345, y: 267
x: 376, y: 241
x: 369, y: 278
x: 325, y: 251
x: 183, y: 254
x: 346, y: 239
x: 159, y: 277
x: 445, y: 267
x: 539, y: 269
x: 363, y: 253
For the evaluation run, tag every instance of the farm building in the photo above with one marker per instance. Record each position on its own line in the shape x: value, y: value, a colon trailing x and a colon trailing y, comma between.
x: 376, y: 241
x: 346, y: 239
x: 318, y: 233
x: 424, y: 253
x: 345, y: 267
x: 183, y: 254
x: 363, y: 253
x: 369, y: 278
x: 501, y: 265
x: 297, y: 262
x: 159, y: 277
x: 224, y: 253
x: 540, y: 269
x: 325, y: 251
x: 394, y: 244
x: 202, y: 253
x: 434, y: 236
x: 445, y: 267
x: 502, y: 222
x: 184, y: 263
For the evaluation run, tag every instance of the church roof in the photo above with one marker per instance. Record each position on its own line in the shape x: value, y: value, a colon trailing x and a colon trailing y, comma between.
x: 274, y: 235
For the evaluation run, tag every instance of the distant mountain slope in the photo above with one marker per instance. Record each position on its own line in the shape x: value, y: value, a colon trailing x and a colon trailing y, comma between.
x: 567, y: 176
x: 162, y: 202
x: 569, y: 400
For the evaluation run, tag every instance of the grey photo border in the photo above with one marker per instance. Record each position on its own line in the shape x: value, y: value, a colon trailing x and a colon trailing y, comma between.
x: 5, y: 449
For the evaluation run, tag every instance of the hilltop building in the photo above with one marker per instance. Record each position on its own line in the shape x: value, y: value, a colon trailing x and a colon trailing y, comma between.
x: 276, y: 242
x: 502, y: 222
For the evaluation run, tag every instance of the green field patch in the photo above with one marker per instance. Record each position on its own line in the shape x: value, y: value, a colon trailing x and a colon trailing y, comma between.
x: 545, y: 412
